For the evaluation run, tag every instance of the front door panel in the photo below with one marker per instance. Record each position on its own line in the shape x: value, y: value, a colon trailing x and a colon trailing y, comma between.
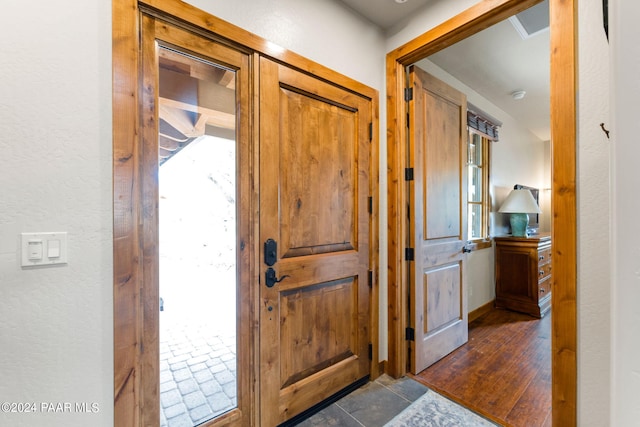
x: 314, y: 187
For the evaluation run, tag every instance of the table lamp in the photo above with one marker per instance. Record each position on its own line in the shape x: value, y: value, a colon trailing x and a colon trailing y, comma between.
x: 519, y: 203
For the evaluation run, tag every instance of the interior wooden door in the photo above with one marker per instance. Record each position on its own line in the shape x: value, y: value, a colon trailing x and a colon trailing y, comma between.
x: 438, y: 304
x: 314, y: 193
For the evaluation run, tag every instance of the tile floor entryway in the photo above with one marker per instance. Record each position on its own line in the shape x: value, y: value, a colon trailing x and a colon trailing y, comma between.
x: 372, y: 405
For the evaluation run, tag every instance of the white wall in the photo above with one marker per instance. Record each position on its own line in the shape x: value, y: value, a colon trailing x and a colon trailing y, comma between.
x: 625, y: 255
x: 593, y: 219
x: 436, y: 12
x: 56, y: 323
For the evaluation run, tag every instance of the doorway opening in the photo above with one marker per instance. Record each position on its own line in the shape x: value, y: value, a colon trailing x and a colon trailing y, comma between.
x: 563, y: 128
x: 519, y: 152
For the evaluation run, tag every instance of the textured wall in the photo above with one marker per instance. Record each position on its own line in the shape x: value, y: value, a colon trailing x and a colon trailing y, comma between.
x: 593, y: 218
x: 625, y: 254
x: 55, y: 137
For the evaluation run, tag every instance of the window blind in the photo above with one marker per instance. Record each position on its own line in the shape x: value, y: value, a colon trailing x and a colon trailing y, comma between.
x: 482, y: 122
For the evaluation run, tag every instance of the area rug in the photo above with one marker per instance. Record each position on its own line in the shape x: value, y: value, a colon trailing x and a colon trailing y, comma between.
x: 435, y: 410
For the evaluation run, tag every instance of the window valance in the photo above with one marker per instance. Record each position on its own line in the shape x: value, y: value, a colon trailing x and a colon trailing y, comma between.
x: 482, y: 122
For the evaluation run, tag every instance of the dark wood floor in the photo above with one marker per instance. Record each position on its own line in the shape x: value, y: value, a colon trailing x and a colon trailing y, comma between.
x: 503, y: 372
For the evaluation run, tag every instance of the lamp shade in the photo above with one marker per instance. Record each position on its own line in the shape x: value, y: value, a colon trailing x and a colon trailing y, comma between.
x: 520, y: 201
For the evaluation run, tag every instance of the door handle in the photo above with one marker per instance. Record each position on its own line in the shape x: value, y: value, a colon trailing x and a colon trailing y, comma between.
x: 465, y: 250
x: 271, y: 279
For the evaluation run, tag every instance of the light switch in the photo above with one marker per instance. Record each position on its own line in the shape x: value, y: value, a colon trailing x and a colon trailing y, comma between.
x: 39, y: 249
x: 34, y: 249
x: 53, y: 248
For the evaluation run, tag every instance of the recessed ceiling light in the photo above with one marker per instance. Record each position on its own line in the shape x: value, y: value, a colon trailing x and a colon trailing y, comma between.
x: 400, y: 1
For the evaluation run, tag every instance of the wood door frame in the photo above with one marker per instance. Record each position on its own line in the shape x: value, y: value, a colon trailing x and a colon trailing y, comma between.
x: 132, y: 391
x: 563, y: 29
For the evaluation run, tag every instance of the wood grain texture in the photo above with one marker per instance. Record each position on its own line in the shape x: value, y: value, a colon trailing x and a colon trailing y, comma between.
x: 442, y: 294
x: 318, y: 340
x: 129, y: 277
x: 150, y: 300
x: 314, y: 190
x: 126, y: 250
x: 136, y: 166
x: 397, y: 211
x: 437, y: 153
x: 564, y: 84
x: 503, y: 372
x: 318, y: 185
x: 563, y: 16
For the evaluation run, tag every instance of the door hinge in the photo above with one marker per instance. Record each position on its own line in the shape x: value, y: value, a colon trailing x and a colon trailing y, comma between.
x: 409, y: 254
x: 370, y: 351
x: 370, y: 278
x: 370, y: 202
x: 408, y: 94
x: 408, y: 122
x: 410, y: 334
x: 408, y: 174
x: 370, y: 132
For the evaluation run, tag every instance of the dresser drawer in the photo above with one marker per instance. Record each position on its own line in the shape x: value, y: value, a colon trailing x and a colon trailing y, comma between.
x: 544, y: 256
x: 544, y: 271
x: 544, y: 287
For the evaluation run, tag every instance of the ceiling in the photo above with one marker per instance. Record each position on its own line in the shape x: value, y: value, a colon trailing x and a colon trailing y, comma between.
x: 495, y: 62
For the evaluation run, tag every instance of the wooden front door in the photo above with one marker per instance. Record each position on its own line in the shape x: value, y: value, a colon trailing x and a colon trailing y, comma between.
x: 438, y: 304
x: 314, y: 303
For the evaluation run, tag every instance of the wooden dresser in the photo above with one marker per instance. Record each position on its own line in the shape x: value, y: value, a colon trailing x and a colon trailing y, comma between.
x: 523, y: 273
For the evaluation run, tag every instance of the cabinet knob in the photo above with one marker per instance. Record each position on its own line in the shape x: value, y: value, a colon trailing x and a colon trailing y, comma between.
x: 540, y: 257
x: 541, y: 272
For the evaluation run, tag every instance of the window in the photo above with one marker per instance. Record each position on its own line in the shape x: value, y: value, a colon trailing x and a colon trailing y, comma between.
x: 478, y: 149
x: 482, y: 130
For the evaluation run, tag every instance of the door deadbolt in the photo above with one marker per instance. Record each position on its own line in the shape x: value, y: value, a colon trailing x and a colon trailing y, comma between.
x: 270, y: 252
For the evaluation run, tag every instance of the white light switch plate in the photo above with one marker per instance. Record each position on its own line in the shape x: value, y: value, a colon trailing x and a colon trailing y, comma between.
x: 51, y: 248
